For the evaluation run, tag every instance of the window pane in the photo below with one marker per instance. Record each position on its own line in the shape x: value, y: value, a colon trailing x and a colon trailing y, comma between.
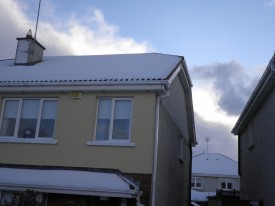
x: 193, y: 182
x: 223, y: 185
x: 28, y: 120
x: 198, y: 182
x: 47, y: 121
x: 9, y: 118
x: 230, y: 184
x: 121, y: 125
x: 103, y: 119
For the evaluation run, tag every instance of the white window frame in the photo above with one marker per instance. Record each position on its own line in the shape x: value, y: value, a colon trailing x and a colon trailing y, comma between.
x: 196, y: 178
x: 36, y: 139
x: 226, y: 181
x: 110, y: 141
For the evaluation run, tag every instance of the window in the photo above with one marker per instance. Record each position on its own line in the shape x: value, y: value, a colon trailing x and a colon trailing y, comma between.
x: 113, y: 119
x: 196, y: 182
x: 227, y: 184
x: 28, y: 118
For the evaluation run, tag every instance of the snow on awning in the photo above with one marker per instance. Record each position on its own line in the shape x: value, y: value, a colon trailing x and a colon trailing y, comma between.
x: 68, y: 182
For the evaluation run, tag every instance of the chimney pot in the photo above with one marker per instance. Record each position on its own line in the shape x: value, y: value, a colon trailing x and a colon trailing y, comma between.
x: 29, y: 34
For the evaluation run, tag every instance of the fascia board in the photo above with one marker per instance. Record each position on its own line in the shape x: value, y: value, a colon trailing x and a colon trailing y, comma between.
x: 265, y: 84
x: 215, y: 175
x: 254, y: 103
x: 150, y: 87
x: 74, y: 191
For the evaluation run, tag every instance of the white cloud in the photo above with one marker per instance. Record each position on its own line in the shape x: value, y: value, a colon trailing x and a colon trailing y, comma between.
x: 271, y: 3
x: 86, y: 35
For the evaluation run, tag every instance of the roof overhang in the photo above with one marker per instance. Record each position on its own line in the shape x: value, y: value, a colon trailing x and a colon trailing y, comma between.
x: 160, y: 87
x: 68, y: 182
x: 262, y: 90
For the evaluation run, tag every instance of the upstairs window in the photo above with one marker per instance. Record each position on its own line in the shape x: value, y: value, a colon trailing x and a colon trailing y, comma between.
x: 227, y: 184
x: 28, y: 118
x: 196, y: 182
x: 113, y: 119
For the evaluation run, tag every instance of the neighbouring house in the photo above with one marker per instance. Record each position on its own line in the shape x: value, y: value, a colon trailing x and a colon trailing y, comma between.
x: 255, y: 130
x: 212, y: 172
x: 96, y: 130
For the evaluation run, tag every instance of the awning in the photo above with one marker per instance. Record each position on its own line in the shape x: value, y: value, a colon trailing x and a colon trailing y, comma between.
x: 68, y: 182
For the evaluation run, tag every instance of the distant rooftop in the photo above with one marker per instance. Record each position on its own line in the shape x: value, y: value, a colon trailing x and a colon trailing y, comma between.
x: 214, y: 164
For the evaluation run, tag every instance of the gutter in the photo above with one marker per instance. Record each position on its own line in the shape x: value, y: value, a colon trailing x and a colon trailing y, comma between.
x: 154, y: 178
x: 157, y: 86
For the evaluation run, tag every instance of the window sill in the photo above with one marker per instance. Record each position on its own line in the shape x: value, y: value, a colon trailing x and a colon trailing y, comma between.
x: 110, y: 143
x: 27, y: 141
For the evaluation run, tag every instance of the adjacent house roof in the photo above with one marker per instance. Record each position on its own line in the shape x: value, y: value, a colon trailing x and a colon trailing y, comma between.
x: 144, y: 68
x: 214, y: 164
x: 69, y: 182
x: 262, y: 90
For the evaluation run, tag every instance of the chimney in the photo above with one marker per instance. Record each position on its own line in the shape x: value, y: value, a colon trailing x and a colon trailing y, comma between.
x: 29, y: 50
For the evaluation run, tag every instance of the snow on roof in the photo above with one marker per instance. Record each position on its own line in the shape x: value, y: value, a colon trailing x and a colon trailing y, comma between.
x: 119, y: 67
x: 201, y: 196
x: 73, y: 182
x: 214, y: 164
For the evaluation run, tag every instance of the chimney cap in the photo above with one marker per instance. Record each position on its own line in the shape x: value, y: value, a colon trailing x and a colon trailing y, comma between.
x: 29, y: 34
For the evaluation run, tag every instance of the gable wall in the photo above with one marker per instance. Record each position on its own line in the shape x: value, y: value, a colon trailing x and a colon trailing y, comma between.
x: 172, y: 173
x: 258, y: 163
x: 75, y: 126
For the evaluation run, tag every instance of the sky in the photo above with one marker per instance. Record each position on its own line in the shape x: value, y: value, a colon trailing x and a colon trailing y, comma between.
x: 226, y: 44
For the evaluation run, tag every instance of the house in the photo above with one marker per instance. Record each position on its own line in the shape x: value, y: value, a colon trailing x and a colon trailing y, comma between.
x: 212, y: 172
x: 255, y: 130
x: 96, y: 130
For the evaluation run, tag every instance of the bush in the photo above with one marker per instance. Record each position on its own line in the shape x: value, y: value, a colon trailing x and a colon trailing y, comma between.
x: 27, y: 198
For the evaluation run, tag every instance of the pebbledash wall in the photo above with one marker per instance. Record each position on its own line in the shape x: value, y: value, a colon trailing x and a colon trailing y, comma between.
x: 174, y: 155
x: 257, y: 154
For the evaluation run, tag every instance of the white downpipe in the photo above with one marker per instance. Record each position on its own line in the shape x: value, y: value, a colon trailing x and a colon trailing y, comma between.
x: 154, y: 178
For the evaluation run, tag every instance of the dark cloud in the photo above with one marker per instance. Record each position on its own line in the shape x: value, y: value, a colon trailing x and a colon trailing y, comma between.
x: 221, y: 139
x: 230, y: 81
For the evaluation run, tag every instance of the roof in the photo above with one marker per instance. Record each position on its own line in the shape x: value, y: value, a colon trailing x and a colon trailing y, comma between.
x: 118, y: 67
x: 68, y: 182
x: 214, y: 164
x: 261, y: 92
x: 201, y: 196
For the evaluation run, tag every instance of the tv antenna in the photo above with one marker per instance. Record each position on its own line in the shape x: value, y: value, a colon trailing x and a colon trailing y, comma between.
x: 207, y: 139
x: 37, y: 19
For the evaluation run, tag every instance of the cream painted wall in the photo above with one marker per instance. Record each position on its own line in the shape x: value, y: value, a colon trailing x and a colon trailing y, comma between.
x: 75, y: 126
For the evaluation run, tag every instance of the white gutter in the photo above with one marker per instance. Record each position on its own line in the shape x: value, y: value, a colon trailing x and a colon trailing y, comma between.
x: 159, y: 87
x: 154, y: 178
x: 73, y: 191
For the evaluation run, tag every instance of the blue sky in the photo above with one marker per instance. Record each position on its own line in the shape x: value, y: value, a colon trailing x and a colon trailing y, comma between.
x: 227, y: 45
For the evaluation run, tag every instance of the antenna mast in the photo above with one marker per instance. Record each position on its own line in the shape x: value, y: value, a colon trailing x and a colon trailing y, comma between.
x: 37, y: 19
x: 207, y: 139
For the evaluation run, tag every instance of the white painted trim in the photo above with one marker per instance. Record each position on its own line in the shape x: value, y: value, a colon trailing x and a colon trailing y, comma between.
x: 159, y: 87
x: 19, y: 110
x: 175, y: 73
x: 112, y: 117
x: 28, y: 140
x: 110, y: 143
